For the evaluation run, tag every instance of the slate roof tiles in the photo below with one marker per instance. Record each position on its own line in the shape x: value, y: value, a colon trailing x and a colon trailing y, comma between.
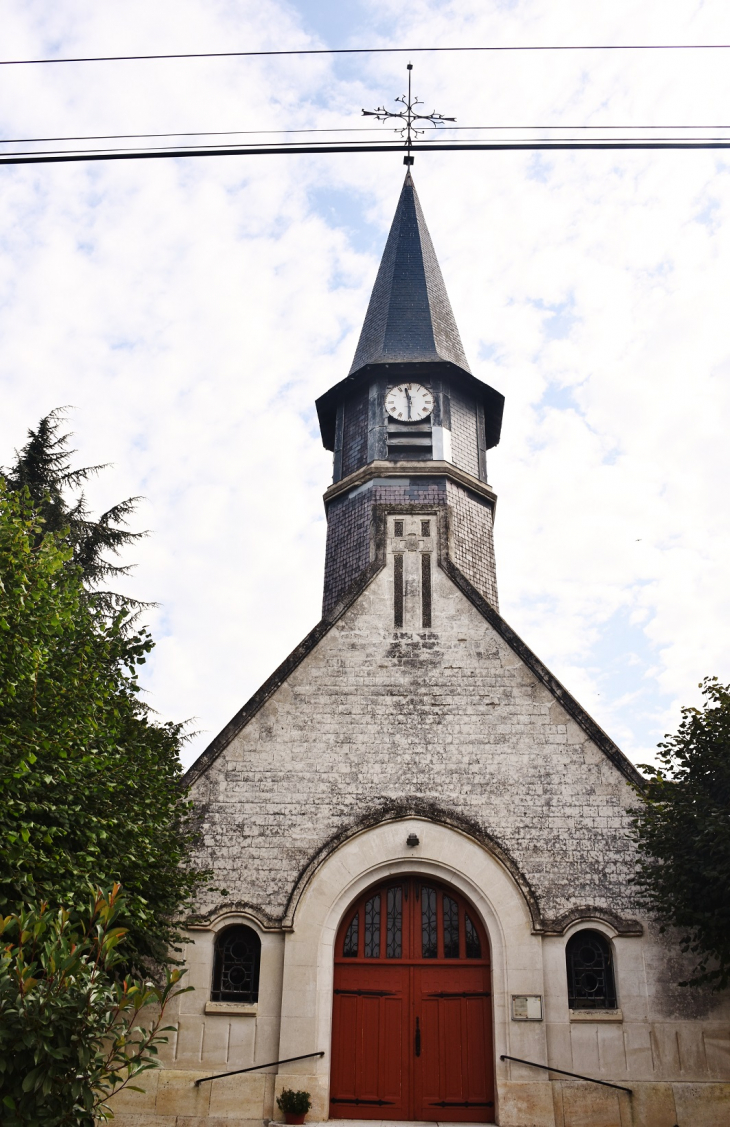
x: 409, y: 317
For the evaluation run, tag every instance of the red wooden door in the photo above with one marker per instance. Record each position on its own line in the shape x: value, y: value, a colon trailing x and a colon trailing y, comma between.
x: 412, y: 1022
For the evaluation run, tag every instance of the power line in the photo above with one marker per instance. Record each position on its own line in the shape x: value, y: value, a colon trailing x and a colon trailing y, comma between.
x: 366, y: 51
x: 364, y: 147
x: 357, y: 129
x: 213, y: 133
x: 352, y: 146
x: 173, y: 150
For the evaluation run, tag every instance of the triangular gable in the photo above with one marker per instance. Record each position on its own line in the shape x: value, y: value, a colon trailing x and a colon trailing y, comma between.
x: 495, y: 620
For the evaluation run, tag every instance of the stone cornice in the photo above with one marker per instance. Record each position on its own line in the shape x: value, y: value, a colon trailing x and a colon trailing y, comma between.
x: 406, y: 808
x: 410, y: 469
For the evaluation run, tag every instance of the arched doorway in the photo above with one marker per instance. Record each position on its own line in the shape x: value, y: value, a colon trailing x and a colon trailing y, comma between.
x: 412, y: 1016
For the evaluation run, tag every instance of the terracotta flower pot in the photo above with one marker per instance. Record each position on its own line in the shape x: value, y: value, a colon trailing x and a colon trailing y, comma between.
x: 294, y: 1117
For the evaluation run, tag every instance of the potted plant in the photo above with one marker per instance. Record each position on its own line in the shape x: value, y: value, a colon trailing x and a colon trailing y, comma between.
x: 294, y: 1105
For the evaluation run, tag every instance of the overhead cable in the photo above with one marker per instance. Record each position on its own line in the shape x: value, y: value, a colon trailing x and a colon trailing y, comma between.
x: 349, y: 129
x: 367, y: 51
x: 363, y: 147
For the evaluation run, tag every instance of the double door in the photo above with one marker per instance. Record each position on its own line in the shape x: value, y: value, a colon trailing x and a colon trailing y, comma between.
x: 412, y: 1008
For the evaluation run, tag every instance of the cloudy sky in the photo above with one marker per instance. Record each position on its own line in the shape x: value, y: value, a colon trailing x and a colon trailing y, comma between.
x: 191, y: 312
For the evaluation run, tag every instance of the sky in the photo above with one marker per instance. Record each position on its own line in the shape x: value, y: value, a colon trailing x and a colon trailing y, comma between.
x: 191, y: 311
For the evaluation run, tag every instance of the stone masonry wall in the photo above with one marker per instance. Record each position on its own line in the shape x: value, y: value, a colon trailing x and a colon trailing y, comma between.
x: 349, y: 521
x: 472, y: 540
x: 449, y: 718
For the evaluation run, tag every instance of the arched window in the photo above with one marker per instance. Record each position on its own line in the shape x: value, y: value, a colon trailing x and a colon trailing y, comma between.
x: 413, y: 919
x: 591, y: 982
x: 236, y: 965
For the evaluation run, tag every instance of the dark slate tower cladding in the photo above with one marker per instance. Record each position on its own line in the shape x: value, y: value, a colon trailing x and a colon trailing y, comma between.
x: 410, y: 425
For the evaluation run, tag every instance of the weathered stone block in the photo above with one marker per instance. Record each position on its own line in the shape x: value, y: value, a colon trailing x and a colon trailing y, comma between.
x: 239, y: 1097
x: 178, y: 1095
x: 526, y: 1105
x: 137, y: 1103
x: 702, y: 1105
x: 587, y: 1105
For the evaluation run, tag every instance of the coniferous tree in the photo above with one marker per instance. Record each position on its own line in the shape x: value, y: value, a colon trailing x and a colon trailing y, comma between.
x: 91, y: 789
x: 43, y: 467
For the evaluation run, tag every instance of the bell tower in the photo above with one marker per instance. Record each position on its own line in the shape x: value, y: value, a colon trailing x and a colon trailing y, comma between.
x: 409, y: 427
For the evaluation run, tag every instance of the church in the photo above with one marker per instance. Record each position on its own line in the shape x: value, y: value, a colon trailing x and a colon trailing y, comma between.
x: 423, y: 837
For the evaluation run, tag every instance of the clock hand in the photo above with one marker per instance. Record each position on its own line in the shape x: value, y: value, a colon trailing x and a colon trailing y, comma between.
x: 408, y: 401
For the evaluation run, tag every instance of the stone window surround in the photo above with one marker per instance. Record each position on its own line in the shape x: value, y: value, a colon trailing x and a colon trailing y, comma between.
x: 220, y: 923
x: 591, y: 923
x: 253, y: 1029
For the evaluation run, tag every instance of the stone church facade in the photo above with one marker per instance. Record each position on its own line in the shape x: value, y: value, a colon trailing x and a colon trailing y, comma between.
x: 423, y: 837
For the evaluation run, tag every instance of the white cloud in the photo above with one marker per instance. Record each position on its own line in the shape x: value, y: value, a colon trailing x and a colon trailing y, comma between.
x: 192, y: 311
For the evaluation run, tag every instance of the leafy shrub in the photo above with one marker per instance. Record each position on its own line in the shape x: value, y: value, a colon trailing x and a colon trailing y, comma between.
x: 682, y: 829
x: 70, y: 1034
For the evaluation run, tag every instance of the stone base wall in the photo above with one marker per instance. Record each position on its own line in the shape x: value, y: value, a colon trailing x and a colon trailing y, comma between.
x: 172, y: 1100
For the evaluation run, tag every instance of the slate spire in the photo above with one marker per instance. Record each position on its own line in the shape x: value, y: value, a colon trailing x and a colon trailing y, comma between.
x: 409, y: 318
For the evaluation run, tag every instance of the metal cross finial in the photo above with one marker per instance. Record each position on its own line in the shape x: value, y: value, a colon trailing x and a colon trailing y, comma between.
x: 408, y: 116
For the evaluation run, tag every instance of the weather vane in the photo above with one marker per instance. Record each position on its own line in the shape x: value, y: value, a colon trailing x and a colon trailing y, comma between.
x: 408, y: 116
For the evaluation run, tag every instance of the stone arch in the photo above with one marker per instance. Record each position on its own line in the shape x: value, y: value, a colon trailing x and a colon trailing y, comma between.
x: 400, y: 811
x: 405, y: 948
x: 366, y: 855
x: 587, y: 915
x: 233, y: 910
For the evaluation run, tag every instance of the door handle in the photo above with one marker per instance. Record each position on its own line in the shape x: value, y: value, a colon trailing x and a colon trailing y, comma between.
x: 417, y: 1045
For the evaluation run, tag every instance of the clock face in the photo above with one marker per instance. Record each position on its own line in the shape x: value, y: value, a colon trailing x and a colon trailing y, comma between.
x: 409, y: 402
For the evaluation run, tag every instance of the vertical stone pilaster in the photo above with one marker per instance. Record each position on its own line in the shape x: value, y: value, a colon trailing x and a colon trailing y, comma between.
x: 350, y: 532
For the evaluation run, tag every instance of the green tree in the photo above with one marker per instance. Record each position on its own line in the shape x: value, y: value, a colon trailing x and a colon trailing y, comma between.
x: 682, y: 829
x: 90, y: 784
x: 43, y: 468
x: 72, y: 1033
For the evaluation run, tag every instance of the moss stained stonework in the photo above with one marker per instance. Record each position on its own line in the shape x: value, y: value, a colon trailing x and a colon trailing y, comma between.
x: 414, y: 733
x: 372, y: 733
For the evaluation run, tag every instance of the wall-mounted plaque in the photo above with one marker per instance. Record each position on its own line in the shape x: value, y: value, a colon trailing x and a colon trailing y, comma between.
x: 527, y: 1007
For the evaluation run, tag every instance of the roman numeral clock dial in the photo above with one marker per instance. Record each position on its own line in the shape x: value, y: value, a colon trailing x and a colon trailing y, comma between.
x: 409, y: 402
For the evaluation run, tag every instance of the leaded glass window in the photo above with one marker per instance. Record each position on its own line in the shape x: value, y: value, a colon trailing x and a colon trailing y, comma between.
x: 473, y: 942
x: 591, y: 984
x: 349, y: 947
x: 394, y: 930
x: 451, y: 928
x: 429, y: 932
x: 236, y: 966
x: 372, y: 928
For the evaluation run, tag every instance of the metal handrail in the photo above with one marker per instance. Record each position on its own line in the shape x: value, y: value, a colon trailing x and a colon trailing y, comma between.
x: 575, y: 1075
x: 255, y: 1067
